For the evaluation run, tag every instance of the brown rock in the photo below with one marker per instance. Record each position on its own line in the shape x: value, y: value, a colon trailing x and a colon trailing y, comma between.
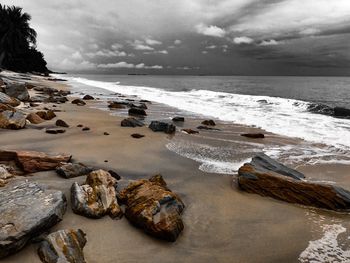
x: 46, y: 115
x: 55, y: 130
x: 152, y: 206
x: 137, y: 135
x: 85, y: 129
x: 266, y: 177
x: 253, y: 135
x: 62, y: 123
x: 5, y: 107
x: 5, y: 99
x: 105, y: 133
x: 96, y: 197
x: 88, y: 97
x: 34, y: 118
x: 12, y: 120
x: 79, y: 102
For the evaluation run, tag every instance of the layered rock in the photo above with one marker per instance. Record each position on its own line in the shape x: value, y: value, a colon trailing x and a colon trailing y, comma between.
x: 96, y: 197
x: 70, y: 170
x: 159, y: 126
x: 152, y: 206
x: 267, y: 177
x: 27, y: 209
x: 63, y: 246
x: 18, y: 91
x: 12, y: 120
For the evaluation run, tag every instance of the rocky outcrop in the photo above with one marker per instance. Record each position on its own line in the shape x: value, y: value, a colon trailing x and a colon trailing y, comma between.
x: 131, y: 122
x: 158, y: 126
x: 63, y: 246
x: 70, y: 170
x: 5, y: 99
x: 209, y: 122
x: 18, y: 91
x: 96, y: 197
x: 27, y: 209
x: 266, y: 177
x: 137, y: 112
x: 152, y: 206
x: 253, y: 135
x: 34, y: 118
x: 12, y: 120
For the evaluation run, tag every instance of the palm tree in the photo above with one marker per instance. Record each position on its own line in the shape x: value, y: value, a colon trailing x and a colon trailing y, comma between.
x: 15, y: 33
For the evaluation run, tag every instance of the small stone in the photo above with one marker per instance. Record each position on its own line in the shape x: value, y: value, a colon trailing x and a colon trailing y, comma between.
x: 137, y: 135
x: 253, y: 135
x: 61, y: 123
x: 88, y: 97
x: 105, y: 133
x: 85, y: 129
x: 55, y: 130
x: 79, y: 102
x: 209, y: 122
x: 80, y: 125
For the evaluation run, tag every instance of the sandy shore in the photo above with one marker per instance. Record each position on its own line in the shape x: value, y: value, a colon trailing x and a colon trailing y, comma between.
x: 222, y: 224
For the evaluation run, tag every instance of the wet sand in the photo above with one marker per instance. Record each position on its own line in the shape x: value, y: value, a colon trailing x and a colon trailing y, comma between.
x: 222, y: 223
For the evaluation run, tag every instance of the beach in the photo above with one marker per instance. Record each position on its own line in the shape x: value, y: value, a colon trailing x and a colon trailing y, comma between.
x: 221, y: 222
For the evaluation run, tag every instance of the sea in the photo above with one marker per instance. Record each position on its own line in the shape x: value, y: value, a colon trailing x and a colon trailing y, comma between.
x: 275, y: 104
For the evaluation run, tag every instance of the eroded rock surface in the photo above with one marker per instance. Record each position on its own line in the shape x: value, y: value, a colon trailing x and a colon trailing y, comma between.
x: 27, y: 209
x: 267, y: 177
x: 63, y: 246
x: 96, y: 197
x: 152, y: 206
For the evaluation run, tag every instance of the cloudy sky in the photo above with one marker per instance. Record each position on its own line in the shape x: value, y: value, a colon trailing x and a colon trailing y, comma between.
x: 224, y: 37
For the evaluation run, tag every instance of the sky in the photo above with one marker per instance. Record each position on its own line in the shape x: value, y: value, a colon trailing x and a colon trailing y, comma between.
x: 214, y: 37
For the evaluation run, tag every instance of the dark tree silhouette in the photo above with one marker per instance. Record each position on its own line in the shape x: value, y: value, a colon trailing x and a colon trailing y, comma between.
x: 18, y: 41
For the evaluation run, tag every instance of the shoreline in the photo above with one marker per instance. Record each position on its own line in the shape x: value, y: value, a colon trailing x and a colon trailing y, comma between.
x: 222, y: 224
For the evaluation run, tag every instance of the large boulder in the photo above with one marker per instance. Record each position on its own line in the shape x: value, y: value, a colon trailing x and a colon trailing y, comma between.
x: 63, y: 246
x: 27, y: 210
x: 267, y: 177
x: 159, y: 126
x: 96, y: 197
x: 5, y: 99
x: 70, y: 170
x: 12, y: 120
x: 18, y: 91
x: 152, y: 206
x: 131, y: 122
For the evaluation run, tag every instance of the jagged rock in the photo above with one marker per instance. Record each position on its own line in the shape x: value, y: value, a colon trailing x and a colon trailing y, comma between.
x: 96, y: 197
x: 137, y: 111
x: 266, y: 177
x: 55, y: 130
x: 178, y: 119
x: 27, y: 210
x: 34, y: 118
x: 253, y: 135
x: 131, y: 122
x: 62, y: 123
x: 79, y: 102
x: 63, y: 246
x: 207, y: 128
x: 209, y: 122
x: 158, y: 126
x: 31, y: 162
x: 137, y: 135
x: 189, y: 131
x: 5, y: 99
x: 18, y: 91
x: 152, y: 206
x: 46, y: 115
x: 88, y: 97
x: 70, y: 170
x: 12, y: 120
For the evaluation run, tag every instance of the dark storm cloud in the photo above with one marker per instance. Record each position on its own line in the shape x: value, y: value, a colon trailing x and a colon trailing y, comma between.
x: 193, y: 36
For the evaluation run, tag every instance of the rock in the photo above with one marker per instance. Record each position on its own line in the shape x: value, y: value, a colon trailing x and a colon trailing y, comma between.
x: 207, y: 128
x: 62, y: 123
x: 137, y: 111
x: 178, y: 119
x: 46, y: 115
x: 142, y: 106
x: 88, y: 97
x: 267, y: 177
x: 145, y: 101
x: 34, y: 118
x: 262, y: 101
x: 137, y: 135
x: 85, y: 129
x: 70, y: 170
x: 4, y: 175
x: 96, y: 197
x: 190, y: 131
x: 55, y: 130
x: 106, y: 133
x: 31, y: 162
x: 80, y: 125
x: 114, y: 174
x: 12, y: 120
x: 117, y: 105
x: 5, y: 99
x: 253, y: 135
x: 63, y: 246
x: 158, y: 126
x: 79, y: 102
x: 341, y: 112
x: 5, y: 107
x: 131, y: 122
x: 32, y: 104
x: 208, y: 122
x: 27, y: 210
x: 152, y: 206
x: 18, y: 91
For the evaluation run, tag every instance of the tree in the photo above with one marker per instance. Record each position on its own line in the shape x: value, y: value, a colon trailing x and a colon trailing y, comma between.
x: 17, y: 40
